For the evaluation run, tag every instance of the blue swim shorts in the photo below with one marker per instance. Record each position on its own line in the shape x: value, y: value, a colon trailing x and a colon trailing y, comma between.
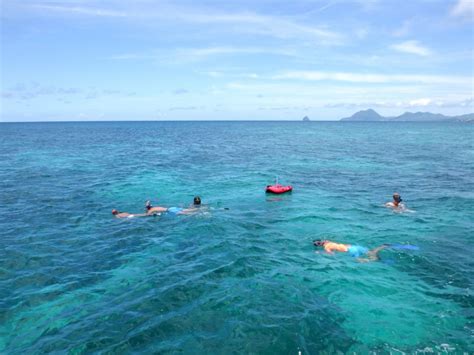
x: 174, y: 210
x: 357, y: 250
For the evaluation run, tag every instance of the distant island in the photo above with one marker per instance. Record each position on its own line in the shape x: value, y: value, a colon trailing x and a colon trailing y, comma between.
x: 306, y: 118
x: 371, y: 115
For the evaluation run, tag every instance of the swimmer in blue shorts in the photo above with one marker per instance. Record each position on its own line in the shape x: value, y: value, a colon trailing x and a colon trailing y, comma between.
x: 354, y: 250
x: 194, y: 208
x: 175, y: 210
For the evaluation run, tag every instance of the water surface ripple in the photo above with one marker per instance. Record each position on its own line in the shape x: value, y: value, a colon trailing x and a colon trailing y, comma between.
x: 244, y: 277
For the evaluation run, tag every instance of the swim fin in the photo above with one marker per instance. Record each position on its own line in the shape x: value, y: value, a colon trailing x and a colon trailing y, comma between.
x: 404, y: 247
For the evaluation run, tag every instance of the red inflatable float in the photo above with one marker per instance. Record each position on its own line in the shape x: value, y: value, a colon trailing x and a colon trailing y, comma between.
x: 278, y: 189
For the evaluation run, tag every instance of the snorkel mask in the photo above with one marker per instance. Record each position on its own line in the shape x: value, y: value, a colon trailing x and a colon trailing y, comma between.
x: 148, y: 205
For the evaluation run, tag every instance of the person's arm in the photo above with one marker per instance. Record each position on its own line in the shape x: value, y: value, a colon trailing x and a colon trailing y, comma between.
x: 189, y: 210
x: 157, y: 209
x: 328, y: 249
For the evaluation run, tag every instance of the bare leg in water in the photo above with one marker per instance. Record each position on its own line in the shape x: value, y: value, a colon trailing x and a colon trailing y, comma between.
x: 373, y: 255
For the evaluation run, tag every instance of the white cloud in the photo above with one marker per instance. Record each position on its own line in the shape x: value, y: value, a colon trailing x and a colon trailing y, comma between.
x: 412, y: 47
x: 321, y: 8
x: 420, y: 102
x: 464, y: 8
x: 468, y: 102
x: 229, y: 73
x: 184, y: 108
x: 372, y: 78
x: 317, y: 91
x: 251, y: 76
x: 274, y: 26
x: 212, y: 73
x: 79, y: 10
x: 415, y: 103
x: 245, y: 22
x: 195, y: 54
x: 35, y: 90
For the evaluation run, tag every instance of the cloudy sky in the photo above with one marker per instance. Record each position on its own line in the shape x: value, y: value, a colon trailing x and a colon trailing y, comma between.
x: 246, y: 59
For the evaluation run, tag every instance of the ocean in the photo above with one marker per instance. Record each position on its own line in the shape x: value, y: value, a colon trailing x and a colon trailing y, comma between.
x: 242, y: 276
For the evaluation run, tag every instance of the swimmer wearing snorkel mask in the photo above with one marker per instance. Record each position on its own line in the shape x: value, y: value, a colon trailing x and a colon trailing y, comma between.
x: 356, y: 251
x: 396, y: 203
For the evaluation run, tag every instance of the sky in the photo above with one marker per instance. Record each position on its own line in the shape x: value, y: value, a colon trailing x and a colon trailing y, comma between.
x: 81, y: 60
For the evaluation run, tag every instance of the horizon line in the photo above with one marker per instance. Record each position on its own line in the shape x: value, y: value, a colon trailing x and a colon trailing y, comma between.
x: 256, y: 120
x: 239, y: 120
x: 220, y: 121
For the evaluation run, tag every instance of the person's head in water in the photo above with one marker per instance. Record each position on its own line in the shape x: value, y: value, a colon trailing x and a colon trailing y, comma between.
x: 197, y: 201
x: 397, y: 199
x: 115, y: 212
x: 148, y: 205
x: 319, y: 243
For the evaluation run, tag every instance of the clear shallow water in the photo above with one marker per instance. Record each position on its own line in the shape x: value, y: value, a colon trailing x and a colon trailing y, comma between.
x: 247, y: 279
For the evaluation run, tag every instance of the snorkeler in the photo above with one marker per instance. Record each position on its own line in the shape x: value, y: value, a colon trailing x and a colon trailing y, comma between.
x: 150, y: 210
x: 193, y: 208
x: 196, y: 201
x: 396, y: 203
x: 118, y: 214
x: 354, y: 250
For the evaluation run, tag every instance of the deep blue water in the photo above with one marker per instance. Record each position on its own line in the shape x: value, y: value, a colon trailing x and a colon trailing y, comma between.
x: 246, y: 279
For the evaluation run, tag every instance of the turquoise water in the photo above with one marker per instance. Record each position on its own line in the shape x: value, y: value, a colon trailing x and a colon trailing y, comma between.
x: 246, y: 279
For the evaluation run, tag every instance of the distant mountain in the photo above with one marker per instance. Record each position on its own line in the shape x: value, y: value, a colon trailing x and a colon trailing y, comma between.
x: 367, y: 115
x: 306, y: 118
x: 371, y: 115
x: 466, y: 118
x: 421, y: 116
